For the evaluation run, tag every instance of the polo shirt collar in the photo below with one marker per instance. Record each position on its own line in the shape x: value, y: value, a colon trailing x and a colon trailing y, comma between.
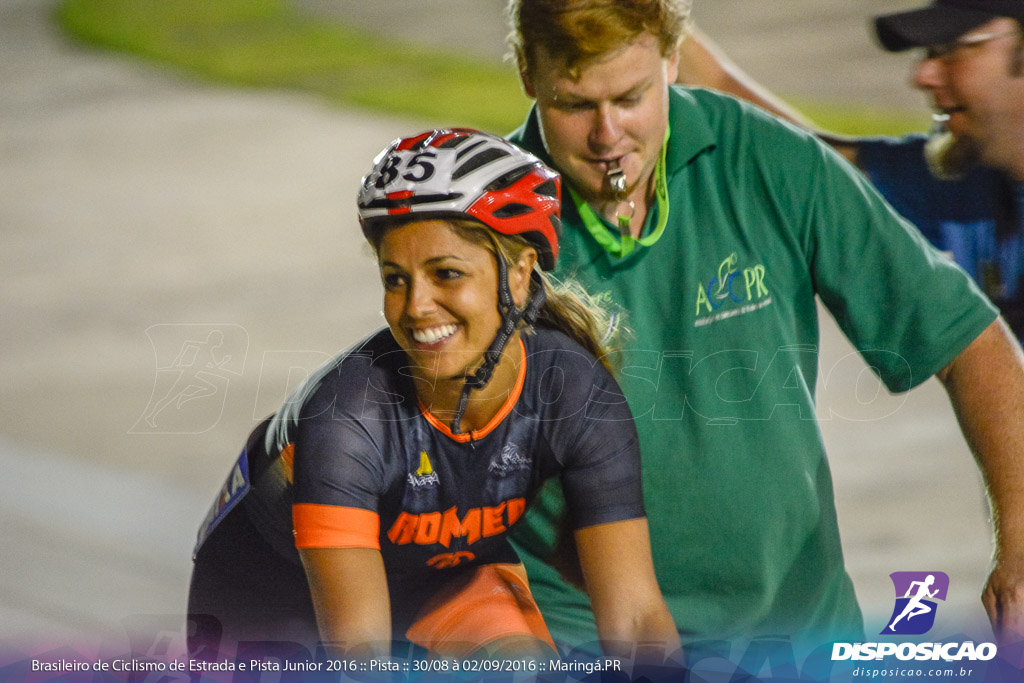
x: 692, y: 133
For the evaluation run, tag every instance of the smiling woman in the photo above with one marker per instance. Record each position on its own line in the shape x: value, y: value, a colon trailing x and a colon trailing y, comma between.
x: 439, y: 291
x: 407, y: 459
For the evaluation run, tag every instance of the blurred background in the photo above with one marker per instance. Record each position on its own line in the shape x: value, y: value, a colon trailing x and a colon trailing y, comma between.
x: 179, y: 249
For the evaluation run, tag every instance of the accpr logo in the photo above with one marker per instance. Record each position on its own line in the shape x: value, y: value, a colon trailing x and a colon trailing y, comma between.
x: 735, y: 290
x: 917, y: 594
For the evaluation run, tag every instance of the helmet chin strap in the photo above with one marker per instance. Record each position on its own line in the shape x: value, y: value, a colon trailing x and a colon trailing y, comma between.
x: 510, y: 319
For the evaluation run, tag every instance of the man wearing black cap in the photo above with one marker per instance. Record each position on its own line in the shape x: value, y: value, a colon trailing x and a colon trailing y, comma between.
x: 963, y: 186
x: 973, y: 69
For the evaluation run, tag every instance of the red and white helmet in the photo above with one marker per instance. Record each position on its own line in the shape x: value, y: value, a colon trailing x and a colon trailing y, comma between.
x: 464, y: 173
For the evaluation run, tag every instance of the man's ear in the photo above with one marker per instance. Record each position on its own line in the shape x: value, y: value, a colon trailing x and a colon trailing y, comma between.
x: 524, y: 77
x: 527, y: 84
x: 672, y: 66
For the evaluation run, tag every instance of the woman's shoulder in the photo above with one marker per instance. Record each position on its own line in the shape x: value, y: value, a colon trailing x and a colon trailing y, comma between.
x: 554, y: 357
x: 359, y: 382
x: 360, y: 378
x: 554, y: 345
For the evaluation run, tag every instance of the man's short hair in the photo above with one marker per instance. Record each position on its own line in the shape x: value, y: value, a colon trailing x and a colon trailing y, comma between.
x: 575, y: 31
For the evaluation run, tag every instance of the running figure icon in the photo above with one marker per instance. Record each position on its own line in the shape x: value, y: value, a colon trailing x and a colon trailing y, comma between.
x: 197, y: 358
x: 916, y: 607
x: 916, y: 595
x: 194, y: 365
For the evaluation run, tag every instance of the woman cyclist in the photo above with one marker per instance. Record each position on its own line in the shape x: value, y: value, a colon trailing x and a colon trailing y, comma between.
x: 407, y: 458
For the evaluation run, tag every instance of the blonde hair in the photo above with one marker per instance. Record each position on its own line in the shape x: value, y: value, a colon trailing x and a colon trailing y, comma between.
x: 575, y: 31
x: 567, y: 307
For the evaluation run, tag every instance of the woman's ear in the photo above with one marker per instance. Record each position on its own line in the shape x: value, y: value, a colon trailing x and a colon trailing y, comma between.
x: 519, y: 276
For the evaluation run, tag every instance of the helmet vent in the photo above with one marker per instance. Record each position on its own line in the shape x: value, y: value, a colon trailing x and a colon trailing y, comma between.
x: 414, y: 200
x: 481, y: 159
x: 512, y: 210
x: 548, y: 189
x: 453, y: 142
x: 506, y: 180
x: 463, y: 152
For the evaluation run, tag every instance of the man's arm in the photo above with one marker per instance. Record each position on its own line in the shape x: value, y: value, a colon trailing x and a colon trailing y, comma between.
x: 985, y: 383
x: 702, y: 63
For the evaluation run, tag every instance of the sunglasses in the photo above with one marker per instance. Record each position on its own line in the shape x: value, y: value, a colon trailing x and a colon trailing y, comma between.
x: 948, y: 49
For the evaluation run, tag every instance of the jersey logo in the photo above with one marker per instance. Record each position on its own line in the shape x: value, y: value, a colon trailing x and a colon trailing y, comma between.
x: 449, y: 560
x: 429, y: 528
x: 425, y: 474
x: 732, y: 291
x: 510, y: 460
x: 231, y: 494
x: 425, y: 466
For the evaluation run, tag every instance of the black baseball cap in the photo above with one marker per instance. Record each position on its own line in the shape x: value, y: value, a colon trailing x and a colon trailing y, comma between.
x: 941, y: 22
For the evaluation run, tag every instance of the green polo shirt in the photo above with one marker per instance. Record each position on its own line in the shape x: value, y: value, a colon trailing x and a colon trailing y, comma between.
x: 721, y: 364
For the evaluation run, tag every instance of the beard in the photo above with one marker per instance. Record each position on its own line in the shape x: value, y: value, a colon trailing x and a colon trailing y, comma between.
x: 950, y: 157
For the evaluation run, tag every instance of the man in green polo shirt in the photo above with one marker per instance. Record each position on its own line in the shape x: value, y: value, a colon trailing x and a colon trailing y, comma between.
x: 714, y: 226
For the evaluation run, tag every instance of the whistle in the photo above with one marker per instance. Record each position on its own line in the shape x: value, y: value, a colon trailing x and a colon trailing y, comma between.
x: 617, y: 180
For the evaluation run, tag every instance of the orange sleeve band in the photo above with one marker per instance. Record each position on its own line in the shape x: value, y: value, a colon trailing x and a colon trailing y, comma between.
x: 334, y: 526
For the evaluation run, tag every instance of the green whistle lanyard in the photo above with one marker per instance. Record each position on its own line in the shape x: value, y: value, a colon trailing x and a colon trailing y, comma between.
x: 623, y: 245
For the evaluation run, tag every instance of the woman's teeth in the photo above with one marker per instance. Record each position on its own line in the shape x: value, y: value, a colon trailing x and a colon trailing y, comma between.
x: 433, y: 334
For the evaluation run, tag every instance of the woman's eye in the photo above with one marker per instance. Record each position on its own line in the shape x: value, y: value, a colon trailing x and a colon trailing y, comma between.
x: 449, y: 274
x: 392, y: 281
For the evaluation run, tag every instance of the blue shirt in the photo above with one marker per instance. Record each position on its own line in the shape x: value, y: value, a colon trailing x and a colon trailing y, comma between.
x: 978, y: 219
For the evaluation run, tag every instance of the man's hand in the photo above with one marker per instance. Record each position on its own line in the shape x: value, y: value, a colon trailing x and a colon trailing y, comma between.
x: 1004, y: 601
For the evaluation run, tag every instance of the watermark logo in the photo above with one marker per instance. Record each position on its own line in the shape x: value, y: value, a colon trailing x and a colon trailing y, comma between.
x: 194, y: 365
x: 912, y: 615
x: 916, y: 596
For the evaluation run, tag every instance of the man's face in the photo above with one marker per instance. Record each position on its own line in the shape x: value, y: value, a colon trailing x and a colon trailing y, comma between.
x: 975, y: 82
x: 615, y: 112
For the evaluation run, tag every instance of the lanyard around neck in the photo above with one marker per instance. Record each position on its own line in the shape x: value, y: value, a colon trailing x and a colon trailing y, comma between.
x: 623, y: 245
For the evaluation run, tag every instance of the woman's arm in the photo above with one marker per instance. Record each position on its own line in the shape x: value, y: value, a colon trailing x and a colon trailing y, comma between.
x: 624, y: 594
x: 350, y: 596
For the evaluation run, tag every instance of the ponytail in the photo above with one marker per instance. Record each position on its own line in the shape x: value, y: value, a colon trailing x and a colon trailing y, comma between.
x: 571, y: 310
